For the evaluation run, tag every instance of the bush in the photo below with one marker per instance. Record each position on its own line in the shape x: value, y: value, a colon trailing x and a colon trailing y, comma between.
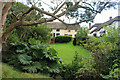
x: 114, y: 73
x: 74, y: 41
x: 63, y: 38
x: 33, y: 57
x: 105, y: 49
x: 81, y: 35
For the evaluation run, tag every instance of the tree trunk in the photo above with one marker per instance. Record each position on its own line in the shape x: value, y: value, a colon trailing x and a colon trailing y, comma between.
x: 0, y: 40
x: 1, y: 30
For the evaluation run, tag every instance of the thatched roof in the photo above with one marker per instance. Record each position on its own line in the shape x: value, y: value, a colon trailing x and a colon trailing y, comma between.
x: 59, y: 25
x: 106, y: 23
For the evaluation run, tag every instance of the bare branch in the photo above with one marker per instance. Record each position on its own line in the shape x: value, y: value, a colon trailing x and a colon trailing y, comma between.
x: 46, y: 4
x: 89, y: 5
x: 59, y: 8
x: 36, y: 2
x: 11, y: 13
x: 88, y: 8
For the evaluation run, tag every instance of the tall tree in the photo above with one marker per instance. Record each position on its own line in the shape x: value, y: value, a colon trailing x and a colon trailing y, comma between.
x: 82, y: 11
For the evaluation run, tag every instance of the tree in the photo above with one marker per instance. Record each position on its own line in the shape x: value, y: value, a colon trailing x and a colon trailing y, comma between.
x: 70, y: 9
x: 23, y: 33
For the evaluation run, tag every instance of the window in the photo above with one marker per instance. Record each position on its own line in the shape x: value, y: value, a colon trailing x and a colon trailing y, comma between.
x: 57, y: 29
x: 53, y: 34
x: 68, y: 30
x: 76, y: 30
x: 57, y: 34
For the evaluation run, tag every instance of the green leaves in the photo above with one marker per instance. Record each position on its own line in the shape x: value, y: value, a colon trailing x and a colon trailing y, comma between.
x: 35, y: 57
x: 52, y: 51
x: 30, y: 69
x: 25, y: 59
x: 82, y: 34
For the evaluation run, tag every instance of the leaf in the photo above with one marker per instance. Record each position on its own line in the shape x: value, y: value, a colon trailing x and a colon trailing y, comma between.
x: 25, y: 59
x: 38, y: 65
x: 31, y: 69
x: 32, y: 41
x: 52, y: 51
x: 20, y: 51
x: 106, y: 77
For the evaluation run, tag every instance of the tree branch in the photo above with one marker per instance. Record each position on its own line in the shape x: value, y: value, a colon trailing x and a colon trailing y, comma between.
x: 5, y: 11
x: 8, y: 30
x: 26, y: 12
x: 59, y: 8
x: 11, y: 13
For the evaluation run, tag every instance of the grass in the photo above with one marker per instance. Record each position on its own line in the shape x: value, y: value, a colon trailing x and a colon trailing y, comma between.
x: 66, y: 51
x: 10, y: 72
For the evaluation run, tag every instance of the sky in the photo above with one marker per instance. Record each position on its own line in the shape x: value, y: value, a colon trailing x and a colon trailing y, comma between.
x: 100, y: 18
x: 104, y: 16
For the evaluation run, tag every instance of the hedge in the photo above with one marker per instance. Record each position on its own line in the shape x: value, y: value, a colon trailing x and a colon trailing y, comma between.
x: 63, y: 38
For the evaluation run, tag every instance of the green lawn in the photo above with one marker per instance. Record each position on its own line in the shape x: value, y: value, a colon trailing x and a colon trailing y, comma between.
x: 9, y: 72
x: 66, y: 51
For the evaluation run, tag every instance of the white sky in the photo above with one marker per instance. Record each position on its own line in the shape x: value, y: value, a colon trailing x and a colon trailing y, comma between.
x: 104, y: 16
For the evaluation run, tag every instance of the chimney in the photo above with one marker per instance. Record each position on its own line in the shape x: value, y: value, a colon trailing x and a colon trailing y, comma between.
x: 89, y: 25
x: 110, y: 17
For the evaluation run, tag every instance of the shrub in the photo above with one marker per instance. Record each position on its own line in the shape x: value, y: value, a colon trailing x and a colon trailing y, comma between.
x: 104, y: 50
x: 81, y: 35
x: 74, y: 41
x: 114, y: 73
x: 63, y: 38
x: 33, y: 57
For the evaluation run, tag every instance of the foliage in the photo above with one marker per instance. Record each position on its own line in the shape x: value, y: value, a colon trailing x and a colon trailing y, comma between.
x: 114, y: 72
x: 63, y: 38
x: 91, y: 7
x: 88, y: 73
x: 40, y: 32
x: 69, y: 71
x: 23, y: 33
x: 33, y: 57
x: 81, y: 34
x: 105, y: 49
x: 18, y: 9
x: 74, y: 41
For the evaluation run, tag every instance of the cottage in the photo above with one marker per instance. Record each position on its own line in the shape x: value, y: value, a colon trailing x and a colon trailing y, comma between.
x: 59, y: 28
x: 98, y: 28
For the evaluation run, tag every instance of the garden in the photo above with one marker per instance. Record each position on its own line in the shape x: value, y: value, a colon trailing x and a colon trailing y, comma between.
x: 27, y: 52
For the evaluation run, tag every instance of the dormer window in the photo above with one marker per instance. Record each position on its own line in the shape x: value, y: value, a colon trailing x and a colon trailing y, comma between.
x: 57, y: 29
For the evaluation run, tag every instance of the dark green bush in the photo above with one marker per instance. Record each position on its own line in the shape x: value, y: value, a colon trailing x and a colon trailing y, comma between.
x: 33, y: 57
x: 63, y: 38
x: 74, y: 41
